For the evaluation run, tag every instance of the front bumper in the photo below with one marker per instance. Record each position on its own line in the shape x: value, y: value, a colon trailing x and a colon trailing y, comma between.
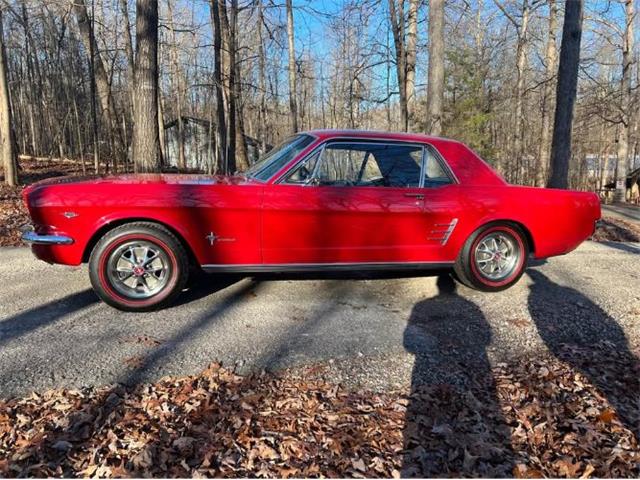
x: 37, y: 239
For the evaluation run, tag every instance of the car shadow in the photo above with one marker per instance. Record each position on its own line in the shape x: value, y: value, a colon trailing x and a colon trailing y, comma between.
x: 577, y: 331
x: 449, y: 336
x: 201, y: 285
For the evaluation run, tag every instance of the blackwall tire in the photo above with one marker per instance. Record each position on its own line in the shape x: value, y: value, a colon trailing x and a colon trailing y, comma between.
x: 138, y: 267
x: 493, y: 258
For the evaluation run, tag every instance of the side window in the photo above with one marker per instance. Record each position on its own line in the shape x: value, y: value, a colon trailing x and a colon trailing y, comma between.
x: 369, y: 165
x: 303, y: 172
x: 434, y: 173
x: 341, y: 164
x: 399, y: 165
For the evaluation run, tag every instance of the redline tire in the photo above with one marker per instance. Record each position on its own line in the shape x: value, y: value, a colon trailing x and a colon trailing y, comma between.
x: 172, y: 265
x: 468, y: 268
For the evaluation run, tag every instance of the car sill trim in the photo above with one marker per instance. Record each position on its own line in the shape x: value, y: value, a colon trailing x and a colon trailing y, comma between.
x: 313, y: 267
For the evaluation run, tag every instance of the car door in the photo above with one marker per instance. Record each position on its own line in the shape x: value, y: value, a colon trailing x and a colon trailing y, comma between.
x: 350, y: 202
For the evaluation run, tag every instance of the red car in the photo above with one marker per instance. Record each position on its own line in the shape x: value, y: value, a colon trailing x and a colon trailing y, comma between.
x: 322, y: 200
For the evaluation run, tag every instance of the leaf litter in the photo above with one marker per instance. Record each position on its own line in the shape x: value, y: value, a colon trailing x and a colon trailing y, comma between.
x: 549, y: 421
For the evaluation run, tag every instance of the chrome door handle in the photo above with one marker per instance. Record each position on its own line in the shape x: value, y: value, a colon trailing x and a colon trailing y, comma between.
x: 419, y: 196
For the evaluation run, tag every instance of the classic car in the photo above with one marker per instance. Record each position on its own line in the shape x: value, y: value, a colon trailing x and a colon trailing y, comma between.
x: 322, y: 200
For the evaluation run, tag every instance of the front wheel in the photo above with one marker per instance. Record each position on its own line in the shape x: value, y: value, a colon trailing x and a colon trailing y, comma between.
x: 138, y: 267
x: 493, y: 258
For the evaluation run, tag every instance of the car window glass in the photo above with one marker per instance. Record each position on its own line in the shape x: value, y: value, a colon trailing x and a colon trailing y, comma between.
x: 434, y: 173
x: 373, y: 165
x: 303, y: 172
x: 277, y: 158
x: 399, y: 165
x: 340, y: 165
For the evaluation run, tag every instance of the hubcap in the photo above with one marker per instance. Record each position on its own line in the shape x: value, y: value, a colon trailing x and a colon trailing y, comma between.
x: 496, y: 256
x: 138, y: 269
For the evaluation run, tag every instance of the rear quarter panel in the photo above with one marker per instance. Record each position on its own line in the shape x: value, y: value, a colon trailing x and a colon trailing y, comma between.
x: 557, y: 220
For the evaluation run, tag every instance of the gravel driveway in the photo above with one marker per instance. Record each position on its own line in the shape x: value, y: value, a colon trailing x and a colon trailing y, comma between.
x: 377, y: 333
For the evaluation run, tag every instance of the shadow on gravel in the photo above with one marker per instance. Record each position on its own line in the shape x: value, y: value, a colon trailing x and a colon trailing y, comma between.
x: 155, y: 357
x: 625, y: 247
x: 453, y: 392
x: 202, y: 285
x: 35, y: 318
x: 580, y: 333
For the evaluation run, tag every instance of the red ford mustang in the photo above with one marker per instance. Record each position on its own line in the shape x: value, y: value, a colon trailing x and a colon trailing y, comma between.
x: 323, y: 200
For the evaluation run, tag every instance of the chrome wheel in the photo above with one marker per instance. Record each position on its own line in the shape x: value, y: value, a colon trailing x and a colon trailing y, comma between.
x: 138, y: 269
x: 496, y: 256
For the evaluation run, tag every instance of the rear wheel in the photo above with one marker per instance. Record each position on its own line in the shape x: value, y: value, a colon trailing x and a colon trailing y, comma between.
x: 138, y: 267
x: 493, y: 258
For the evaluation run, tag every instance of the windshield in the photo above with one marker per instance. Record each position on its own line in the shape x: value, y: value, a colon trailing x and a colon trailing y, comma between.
x: 278, y: 157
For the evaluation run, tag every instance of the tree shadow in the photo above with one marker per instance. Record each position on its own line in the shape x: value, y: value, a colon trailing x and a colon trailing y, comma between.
x: 625, y: 247
x: 30, y: 320
x: 454, y: 424
x: 579, y: 332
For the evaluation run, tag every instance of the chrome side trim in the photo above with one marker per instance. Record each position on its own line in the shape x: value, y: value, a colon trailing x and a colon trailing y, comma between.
x: 313, y: 267
x: 34, y: 238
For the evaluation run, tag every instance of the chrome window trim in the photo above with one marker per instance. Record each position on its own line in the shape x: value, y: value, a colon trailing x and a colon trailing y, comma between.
x: 368, y: 141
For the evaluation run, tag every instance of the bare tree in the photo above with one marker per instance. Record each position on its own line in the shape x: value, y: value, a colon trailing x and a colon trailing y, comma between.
x: 412, y: 39
x: 396, y: 17
x: 178, y: 87
x: 128, y: 46
x: 566, y: 94
x: 146, y: 153
x: 293, y: 101
x: 221, y: 123
x: 551, y: 66
x: 9, y: 159
x: 99, y: 71
x: 435, y: 94
x: 625, y: 99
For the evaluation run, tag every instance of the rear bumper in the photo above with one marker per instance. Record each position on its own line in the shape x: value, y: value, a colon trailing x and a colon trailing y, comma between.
x: 37, y: 239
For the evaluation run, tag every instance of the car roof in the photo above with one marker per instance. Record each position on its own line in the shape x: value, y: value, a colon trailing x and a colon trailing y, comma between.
x: 325, y: 134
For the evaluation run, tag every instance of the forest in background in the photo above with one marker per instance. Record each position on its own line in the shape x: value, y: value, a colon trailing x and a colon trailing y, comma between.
x: 78, y: 73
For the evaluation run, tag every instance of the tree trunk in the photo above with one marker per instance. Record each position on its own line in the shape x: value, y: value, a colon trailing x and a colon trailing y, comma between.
x: 262, y: 119
x: 232, y: 128
x: 240, y: 151
x: 412, y: 38
x: 293, y: 99
x: 128, y: 48
x: 221, y: 127
x: 435, y: 94
x: 521, y: 66
x: 163, y: 150
x: 625, y: 99
x: 146, y: 153
x: 397, y: 27
x: 566, y: 94
x: 7, y: 150
x: 178, y: 90
x: 551, y: 62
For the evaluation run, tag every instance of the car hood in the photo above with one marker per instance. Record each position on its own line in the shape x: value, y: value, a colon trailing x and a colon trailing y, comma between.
x: 145, y: 178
